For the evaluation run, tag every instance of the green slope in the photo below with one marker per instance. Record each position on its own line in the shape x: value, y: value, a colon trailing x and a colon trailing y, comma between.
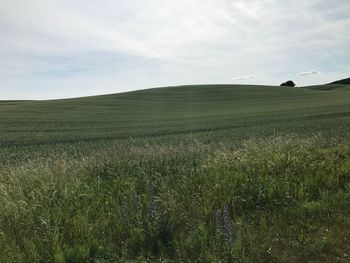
x: 343, y: 84
x: 226, y: 109
x: 330, y: 87
x: 342, y: 81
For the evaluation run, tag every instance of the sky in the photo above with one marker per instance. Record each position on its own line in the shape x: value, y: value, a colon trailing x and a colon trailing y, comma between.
x: 63, y: 48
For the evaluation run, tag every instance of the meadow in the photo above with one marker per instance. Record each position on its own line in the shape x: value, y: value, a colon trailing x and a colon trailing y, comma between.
x: 210, y: 173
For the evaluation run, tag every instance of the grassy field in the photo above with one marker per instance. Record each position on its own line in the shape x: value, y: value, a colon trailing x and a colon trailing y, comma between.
x: 215, y: 173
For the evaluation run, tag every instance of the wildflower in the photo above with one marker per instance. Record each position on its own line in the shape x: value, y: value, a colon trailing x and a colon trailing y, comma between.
x: 223, y: 225
x: 227, y: 226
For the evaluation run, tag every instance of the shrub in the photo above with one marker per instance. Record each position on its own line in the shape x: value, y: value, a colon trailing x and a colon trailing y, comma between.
x: 288, y: 83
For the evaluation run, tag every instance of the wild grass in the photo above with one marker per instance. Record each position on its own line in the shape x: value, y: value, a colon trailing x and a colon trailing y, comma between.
x: 279, y: 199
x: 213, y: 173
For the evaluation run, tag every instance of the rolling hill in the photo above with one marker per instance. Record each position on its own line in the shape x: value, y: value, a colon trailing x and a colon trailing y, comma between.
x: 206, y: 173
x: 232, y: 110
x: 336, y: 85
x: 343, y: 82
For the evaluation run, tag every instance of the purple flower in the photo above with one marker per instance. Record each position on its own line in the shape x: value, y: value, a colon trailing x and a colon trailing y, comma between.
x: 227, y: 226
x: 223, y: 225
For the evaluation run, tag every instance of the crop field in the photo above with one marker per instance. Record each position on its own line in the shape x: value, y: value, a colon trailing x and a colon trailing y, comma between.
x: 210, y: 173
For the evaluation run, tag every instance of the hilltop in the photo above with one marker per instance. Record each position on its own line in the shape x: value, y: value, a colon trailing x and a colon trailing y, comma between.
x: 343, y: 81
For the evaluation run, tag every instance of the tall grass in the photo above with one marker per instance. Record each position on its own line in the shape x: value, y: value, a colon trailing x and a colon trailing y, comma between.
x: 283, y: 199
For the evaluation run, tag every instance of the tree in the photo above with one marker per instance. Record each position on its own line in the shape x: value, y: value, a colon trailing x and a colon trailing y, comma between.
x: 289, y: 83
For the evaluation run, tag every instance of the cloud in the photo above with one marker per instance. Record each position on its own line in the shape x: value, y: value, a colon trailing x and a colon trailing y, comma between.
x: 245, y: 77
x: 308, y: 73
x: 64, y: 48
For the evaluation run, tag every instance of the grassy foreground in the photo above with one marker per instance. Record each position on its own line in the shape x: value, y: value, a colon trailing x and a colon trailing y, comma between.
x: 199, y: 174
x: 277, y: 200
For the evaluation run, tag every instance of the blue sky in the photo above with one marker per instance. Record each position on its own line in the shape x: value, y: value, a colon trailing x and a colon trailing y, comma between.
x: 60, y: 49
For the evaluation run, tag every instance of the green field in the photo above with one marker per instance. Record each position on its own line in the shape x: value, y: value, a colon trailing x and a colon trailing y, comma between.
x: 210, y: 173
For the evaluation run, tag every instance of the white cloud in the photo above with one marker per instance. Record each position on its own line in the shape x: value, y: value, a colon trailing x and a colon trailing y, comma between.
x: 245, y: 77
x: 307, y: 73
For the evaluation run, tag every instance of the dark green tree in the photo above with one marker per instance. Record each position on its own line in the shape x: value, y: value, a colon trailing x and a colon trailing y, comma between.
x: 289, y: 83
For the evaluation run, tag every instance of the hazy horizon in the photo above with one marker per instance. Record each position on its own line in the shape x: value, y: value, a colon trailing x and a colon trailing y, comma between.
x: 64, y: 49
